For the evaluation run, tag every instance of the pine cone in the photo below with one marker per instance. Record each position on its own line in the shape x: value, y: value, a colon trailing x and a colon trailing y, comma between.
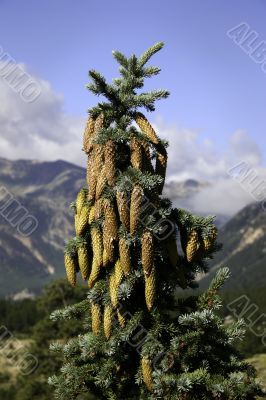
x: 161, y: 164
x: 95, y: 318
x: 110, y: 220
x: 210, y: 240
x: 146, y: 367
x: 98, y: 208
x: 193, y: 246
x: 136, y: 154
x: 123, y: 209
x: 97, y: 245
x: 81, y: 220
x: 91, y: 215
x: 146, y: 127
x: 102, y: 181
x: 88, y: 135
x: 124, y: 254
x: 121, y: 318
x: 91, y: 177
x: 71, y: 268
x: 94, y: 275
x: 81, y: 198
x: 150, y: 289
x: 135, y: 208
x: 147, y: 252
x: 107, y: 321
x: 110, y: 231
x: 84, y: 262
x: 109, y: 156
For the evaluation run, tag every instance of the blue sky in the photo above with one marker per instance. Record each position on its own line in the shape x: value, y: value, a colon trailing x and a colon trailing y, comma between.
x: 215, y: 87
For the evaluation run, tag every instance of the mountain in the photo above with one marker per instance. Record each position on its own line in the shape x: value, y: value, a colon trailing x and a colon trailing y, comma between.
x: 44, y: 191
x: 244, y: 250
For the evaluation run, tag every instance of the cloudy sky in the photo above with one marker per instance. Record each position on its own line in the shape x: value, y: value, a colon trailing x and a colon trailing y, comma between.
x: 215, y: 117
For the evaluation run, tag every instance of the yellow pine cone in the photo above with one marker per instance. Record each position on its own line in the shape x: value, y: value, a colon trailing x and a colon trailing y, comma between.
x: 98, y: 159
x: 193, y: 246
x: 146, y: 127
x: 71, y: 268
x: 136, y: 156
x: 101, y: 183
x: 150, y: 289
x: 98, y: 123
x: 109, y: 157
x: 94, y: 275
x: 124, y: 254
x: 110, y: 230
x: 91, y: 215
x: 88, y: 135
x: 82, y: 220
x: 146, y: 368
x: 135, y: 208
x: 110, y: 220
x: 81, y: 198
x: 210, y: 240
x: 118, y: 273
x: 84, y: 262
x: 121, y: 318
x: 98, y: 210
x: 97, y: 245
x: 172, y: 251
x: 95, y: 318
x: 91, y: 177
x: 161, y: 164
x: 107, y: 321
x: 147, y: 252
x: 123, y: 209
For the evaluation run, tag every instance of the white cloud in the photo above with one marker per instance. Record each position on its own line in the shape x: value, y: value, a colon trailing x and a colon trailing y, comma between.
x: 191, y: 156
x: 38, y: 130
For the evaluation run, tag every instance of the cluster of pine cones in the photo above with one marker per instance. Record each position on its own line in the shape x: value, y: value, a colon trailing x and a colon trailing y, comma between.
x: 98, y: 218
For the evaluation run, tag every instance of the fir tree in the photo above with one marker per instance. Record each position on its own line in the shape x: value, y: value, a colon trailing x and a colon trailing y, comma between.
x: 142, y: 339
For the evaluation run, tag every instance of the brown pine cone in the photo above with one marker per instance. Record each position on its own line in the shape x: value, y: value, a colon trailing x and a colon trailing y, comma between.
x: 124, y: 254
x: 146, y: 368
x: 193, y: 246
x: 71, y: 268
x: 123, y: 209
x: 136, y: 154
x: 95, y: 318
x: 147, y: 252
x: 84, y: 262
x: 146, y: 127
x: 110, y: 162
x: 101, y: 183
x: 88, y: 135
x: 150, y: 289
x: 135, y: 208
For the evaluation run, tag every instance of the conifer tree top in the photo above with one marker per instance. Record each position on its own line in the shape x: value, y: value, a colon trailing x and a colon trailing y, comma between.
x: 123, y: 94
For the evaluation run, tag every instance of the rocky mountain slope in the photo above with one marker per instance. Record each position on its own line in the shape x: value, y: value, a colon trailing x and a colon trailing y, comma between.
x: 45, y: 190
x: 244, y: 250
